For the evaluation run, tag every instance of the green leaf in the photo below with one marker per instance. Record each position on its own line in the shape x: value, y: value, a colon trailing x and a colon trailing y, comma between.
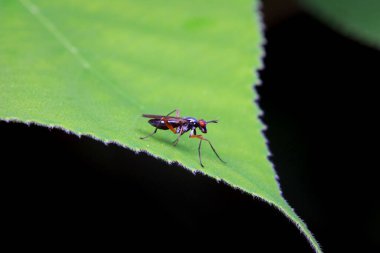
x: 93, y: 68
x: 359, y: 19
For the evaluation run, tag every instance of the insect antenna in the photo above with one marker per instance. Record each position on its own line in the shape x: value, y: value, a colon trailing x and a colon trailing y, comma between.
x: 212, y: 121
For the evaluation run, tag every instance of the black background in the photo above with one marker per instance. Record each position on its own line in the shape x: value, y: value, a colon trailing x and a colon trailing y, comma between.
x: 319, y: 99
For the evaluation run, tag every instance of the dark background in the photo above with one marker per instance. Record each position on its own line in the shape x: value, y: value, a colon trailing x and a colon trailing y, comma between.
x: 318, y: 95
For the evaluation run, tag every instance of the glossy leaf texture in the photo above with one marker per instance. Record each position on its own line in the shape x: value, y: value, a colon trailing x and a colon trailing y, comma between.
x: 359, y: 19
x: 93, y: 67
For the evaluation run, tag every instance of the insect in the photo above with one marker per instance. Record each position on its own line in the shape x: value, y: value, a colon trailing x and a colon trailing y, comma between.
x: 180, y: 125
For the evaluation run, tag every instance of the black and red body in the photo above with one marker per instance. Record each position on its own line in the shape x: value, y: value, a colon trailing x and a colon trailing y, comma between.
x: 180, y: 125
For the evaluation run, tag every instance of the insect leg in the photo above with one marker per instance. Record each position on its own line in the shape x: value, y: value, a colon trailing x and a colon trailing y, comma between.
x: 175, y: 142
x: 168, y: 125
x: 199, y: 152
x: 199, y: 147
x: 155, y: 131
x: 176, y: 113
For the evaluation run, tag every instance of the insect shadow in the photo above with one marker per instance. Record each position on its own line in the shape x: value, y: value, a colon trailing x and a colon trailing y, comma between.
x: 165, y: 140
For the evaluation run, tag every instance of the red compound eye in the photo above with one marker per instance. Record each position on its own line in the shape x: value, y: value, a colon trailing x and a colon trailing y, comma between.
x: 202, y: 123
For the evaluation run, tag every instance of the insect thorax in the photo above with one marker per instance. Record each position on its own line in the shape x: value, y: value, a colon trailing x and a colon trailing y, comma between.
x: 190, y: 125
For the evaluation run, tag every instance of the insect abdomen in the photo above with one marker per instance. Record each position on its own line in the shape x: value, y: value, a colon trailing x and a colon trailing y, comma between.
x: 158, y: 123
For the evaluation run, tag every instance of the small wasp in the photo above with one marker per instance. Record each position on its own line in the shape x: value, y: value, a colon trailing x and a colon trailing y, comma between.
x: 180, y: 125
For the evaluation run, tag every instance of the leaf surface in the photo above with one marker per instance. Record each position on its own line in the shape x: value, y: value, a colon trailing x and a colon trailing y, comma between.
x: 359, y: 19
x: 93, y: 67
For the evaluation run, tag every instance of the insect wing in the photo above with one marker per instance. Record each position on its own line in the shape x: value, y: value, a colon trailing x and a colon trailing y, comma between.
x: 169, y: 118
x: 152, y: 116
